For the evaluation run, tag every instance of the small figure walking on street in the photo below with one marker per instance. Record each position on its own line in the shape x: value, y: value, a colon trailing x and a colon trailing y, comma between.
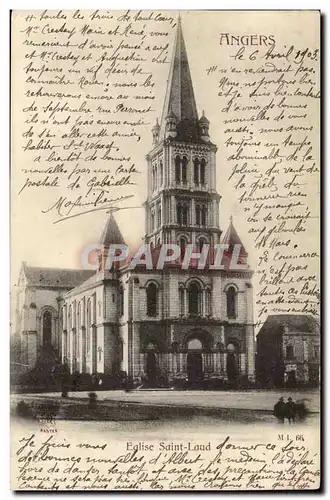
x: 279, y: 410
x: 290, y: 410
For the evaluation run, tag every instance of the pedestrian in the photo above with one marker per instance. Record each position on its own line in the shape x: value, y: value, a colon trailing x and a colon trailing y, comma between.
x: 279, y: 410
x: 290, y: 410
x: 285, y: 379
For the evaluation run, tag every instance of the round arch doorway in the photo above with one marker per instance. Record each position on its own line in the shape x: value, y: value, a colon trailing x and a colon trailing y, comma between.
x: 195, y: 361
x: 232, y: 364
x: 151, y: 364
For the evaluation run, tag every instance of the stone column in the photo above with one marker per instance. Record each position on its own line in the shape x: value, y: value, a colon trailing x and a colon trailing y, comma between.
x: 218, y: 361
x: 193, y: 212
x: 190, y: 170
x: 250, y: 334
x: 185, y: 308
x: 223, y: 355
x: 162, y: 210
x: 63, y: 340
x: 169, y: 165
x: 172, y: 211
x: 82, y: 349
x: 70, y: 349
x: 214, y: 213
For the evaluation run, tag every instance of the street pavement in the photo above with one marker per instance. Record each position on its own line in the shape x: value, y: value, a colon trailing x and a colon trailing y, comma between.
x: 247, y: 400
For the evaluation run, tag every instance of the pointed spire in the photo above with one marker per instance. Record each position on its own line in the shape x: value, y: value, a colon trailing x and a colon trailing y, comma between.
x: 179, y: 98
x: 231, y: 238
x: 111, y: 233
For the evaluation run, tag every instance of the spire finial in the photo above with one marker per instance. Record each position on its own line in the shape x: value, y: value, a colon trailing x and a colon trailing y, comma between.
x: 179, y: 18
x: 231, y: 219
x: 203, y: 114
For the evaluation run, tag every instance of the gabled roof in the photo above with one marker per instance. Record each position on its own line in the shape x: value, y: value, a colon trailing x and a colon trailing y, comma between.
x: 231, y: 238
x: 179, y: 97
x: 275, y: 324
x: 111, y: 233
x: 55, y: 277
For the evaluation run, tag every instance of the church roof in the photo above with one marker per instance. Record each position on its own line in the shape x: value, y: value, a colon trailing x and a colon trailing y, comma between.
x: 179, y: 98
x: 231, y: 238
x: 56, y: 277
x: 294, y: 323
x: 111, y: 233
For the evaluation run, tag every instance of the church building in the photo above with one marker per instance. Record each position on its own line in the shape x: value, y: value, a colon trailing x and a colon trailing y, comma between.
x: 171, y: 322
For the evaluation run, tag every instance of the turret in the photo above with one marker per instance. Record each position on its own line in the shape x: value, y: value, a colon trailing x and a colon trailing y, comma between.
x: 203, y: 127
x: 111, y: 235
x: 171, y: 123
x: 155, y: 132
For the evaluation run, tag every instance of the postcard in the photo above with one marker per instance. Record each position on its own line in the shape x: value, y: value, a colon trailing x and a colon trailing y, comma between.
x: 165, y: 250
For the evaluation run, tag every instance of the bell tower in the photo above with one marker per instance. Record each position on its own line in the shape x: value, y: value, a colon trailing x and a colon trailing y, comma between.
x: 182, y: 204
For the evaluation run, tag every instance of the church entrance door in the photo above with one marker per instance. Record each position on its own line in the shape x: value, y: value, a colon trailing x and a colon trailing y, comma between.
x: 194, y: 367
x: 232, y: 366
x: 151, y: 367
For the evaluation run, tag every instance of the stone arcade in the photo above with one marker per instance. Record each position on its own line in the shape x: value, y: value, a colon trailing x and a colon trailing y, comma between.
x: 192, y: 324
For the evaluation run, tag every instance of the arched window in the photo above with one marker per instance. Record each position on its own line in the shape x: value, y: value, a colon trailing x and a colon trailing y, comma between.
x: 184, y: 169
x: 182, y: 214
x: 181, y: 300
x: 195, y: 299
x: 121, y: 301
x: 201, y: 243
x: 152, y: 220
x: 159, y: 216
x: 177, y: 162
x: 161, y: 172
x: 47, y: 327
x: 155, y: 176
x: 231, y: 302
x: 179, y: 213
x: 152, y: 299
x: 204, y: 215
x: 195, y: 345
x: 153, y: 179
x: 196, y: 170
x: 185, y: 215
x: 208, y: 302
x: 231, y: 348
x: 202, y: 171
x: 198, y: 215
x: 183, y: 244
